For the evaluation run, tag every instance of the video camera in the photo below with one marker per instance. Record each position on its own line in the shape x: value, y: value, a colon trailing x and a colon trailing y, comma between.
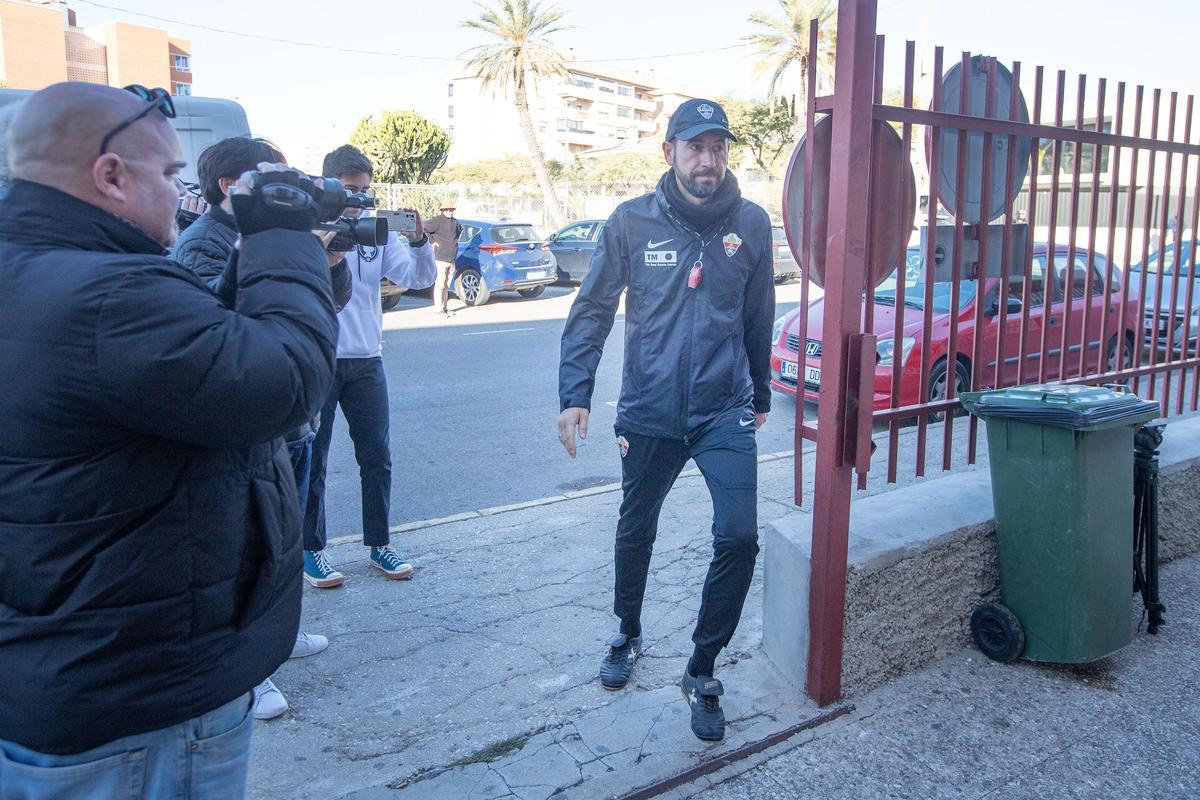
x: 330, y: 201
x: 349, y: 232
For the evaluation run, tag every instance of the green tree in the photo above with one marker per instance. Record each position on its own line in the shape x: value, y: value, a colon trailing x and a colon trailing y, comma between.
x: 781, y: 45
x: 511, y: 172
x: 764, y: 131
x: 520, y: 57
x: 403, y: 146
x: 628, y: 169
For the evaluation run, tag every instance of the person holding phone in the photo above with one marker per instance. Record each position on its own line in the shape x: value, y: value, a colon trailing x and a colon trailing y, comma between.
x: 360, y: 385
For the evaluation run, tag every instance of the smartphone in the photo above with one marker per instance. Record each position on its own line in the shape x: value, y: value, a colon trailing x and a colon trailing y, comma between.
x: 402, y: 222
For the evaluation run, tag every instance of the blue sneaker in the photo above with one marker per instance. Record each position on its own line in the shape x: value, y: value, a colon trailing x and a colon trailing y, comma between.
x: 319, y: 572
x: 390, y: 563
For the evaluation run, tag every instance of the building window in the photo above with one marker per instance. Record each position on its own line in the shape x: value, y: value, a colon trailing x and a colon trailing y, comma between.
x: 570, y: 125
x: 182, y: 89
x: 625, y: 91
x: 624, y: 111
x: 183, y: 63
x: 450, y: 131
x: 581, y: 81
x: 450, y: 112
x: 604, y: 87
x: 449, y: 90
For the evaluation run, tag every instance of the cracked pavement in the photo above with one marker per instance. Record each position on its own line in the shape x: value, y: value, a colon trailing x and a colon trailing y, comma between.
x: 460, y: 682
x: 495, y: 645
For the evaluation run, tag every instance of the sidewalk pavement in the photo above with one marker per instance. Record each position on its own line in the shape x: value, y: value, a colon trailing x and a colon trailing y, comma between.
x: 1125, y: 727
x: 477, y: 679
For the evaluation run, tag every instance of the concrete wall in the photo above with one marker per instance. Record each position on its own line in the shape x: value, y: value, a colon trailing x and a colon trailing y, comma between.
x: 32, y: 50
x: 921, y: 558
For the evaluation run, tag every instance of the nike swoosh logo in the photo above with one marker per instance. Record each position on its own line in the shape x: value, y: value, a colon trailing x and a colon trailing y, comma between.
x: 652, y: 245
x: 745, y: 423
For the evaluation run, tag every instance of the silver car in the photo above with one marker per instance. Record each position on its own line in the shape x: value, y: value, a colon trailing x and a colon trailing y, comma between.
x: 1167, y: 275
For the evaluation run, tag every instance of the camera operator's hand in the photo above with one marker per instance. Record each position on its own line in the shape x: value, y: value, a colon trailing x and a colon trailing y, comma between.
x: 419, y: 231
x: 255, y: 209
x: 193, y: 204
x: 326, y: 237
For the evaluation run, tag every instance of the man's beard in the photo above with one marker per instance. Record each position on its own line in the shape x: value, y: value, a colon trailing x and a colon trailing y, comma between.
x: 697, y: 189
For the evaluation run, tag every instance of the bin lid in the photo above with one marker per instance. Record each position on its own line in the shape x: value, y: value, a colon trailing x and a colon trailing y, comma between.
x: 1080, y: 408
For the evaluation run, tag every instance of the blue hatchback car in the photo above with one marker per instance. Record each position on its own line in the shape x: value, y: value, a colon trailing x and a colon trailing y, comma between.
x: 501, y: 257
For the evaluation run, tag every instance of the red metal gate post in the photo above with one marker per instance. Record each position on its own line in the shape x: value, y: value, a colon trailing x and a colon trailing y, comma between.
x: 845, y: 271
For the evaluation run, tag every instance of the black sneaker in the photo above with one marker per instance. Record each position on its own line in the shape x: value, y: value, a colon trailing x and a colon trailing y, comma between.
x: 703, y: 694
x: 616, y: 666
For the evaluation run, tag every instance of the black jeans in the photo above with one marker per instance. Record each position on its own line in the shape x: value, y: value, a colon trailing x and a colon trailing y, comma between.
x: 360, y: 387
x: 726, y: 453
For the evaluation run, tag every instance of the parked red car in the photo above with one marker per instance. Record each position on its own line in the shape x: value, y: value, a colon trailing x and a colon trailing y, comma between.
x: 789, y: 370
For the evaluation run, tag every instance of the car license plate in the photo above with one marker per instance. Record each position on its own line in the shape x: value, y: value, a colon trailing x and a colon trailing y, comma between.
x: 812, y: 375
x: 789, y: 369
x: 537, y: 273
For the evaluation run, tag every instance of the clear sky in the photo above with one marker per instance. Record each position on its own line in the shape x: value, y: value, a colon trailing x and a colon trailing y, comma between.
x: 308, y: 99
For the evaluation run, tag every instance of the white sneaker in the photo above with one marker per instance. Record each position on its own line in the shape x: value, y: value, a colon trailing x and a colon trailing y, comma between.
x: 269, y: 702
x: 308, y: 645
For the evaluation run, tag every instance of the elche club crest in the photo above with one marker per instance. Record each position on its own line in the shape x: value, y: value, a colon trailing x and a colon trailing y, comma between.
x: 732, y: 242
x: 705, y: 111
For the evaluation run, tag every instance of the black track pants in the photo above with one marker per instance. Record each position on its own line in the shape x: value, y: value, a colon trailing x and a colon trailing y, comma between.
x: 726, y: 454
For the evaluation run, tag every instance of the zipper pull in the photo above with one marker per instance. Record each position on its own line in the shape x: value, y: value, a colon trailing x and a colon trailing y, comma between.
x: 694, y: 275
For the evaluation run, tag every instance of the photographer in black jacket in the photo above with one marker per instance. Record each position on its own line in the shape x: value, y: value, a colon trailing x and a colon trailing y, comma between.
x: 206, y: 248
x: 150, y: 552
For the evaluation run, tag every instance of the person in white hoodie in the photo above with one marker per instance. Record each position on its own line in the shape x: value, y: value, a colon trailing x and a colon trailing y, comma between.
x: 360, y: 386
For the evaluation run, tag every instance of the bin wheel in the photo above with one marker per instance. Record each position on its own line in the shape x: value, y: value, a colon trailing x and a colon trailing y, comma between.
x: 997, y: 633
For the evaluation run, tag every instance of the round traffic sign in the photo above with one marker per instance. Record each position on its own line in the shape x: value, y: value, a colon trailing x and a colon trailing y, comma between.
x: 944, y: 175
x: 893, y: 202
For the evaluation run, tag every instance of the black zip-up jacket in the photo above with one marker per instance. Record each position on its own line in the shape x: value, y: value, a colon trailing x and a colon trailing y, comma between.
x: 690, y: 354
x: 207, y: 249
x: 150, y: 553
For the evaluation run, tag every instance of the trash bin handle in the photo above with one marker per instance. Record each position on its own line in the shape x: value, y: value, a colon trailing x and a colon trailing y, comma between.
x: 1047, y: 397
x: 1119, y: 388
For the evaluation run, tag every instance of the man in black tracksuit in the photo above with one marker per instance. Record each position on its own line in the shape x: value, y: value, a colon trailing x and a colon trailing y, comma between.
x: 696, y: 261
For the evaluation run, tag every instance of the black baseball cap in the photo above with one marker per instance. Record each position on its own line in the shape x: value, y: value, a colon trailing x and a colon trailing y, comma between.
x: 694, y: 117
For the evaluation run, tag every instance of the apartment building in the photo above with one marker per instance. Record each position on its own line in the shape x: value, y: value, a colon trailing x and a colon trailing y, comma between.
x: 590, y: 111
x: 41, y: 44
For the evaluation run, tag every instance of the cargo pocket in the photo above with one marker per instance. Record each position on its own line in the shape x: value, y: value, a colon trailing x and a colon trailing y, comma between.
x: 120, y: 776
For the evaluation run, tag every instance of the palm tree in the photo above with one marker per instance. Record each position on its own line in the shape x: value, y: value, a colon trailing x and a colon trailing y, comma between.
x: 782, y: 43
x: 520, y: 58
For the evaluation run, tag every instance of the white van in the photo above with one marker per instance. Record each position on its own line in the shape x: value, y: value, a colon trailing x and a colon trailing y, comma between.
x: 199, y: 121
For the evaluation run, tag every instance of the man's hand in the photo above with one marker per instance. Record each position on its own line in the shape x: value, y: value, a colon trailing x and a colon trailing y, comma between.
x: 326, y: 237
x: 254, y: 213
x: 570, y: 421
x: 760, y: 420
x: 419, y: 231
x: 193, y: 203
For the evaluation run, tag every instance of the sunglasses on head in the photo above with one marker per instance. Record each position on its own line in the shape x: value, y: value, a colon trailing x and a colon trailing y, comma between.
x: 157, y: 100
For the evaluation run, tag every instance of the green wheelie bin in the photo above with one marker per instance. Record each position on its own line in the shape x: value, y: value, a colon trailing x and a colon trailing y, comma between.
x: 1062, y: 482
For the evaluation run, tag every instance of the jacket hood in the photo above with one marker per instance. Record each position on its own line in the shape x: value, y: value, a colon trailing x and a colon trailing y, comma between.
x: 36, y: 213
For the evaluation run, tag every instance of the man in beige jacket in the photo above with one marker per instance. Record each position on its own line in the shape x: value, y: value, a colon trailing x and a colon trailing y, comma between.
x: 443, y: 231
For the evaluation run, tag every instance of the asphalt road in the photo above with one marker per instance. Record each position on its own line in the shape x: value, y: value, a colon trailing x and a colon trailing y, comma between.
x: 474, y: 404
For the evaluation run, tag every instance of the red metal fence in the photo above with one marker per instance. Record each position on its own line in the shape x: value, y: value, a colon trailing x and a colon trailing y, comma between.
x: 1065, y: 254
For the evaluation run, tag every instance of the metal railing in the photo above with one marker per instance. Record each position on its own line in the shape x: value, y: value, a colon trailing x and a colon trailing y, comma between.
x: 1010, y: 307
